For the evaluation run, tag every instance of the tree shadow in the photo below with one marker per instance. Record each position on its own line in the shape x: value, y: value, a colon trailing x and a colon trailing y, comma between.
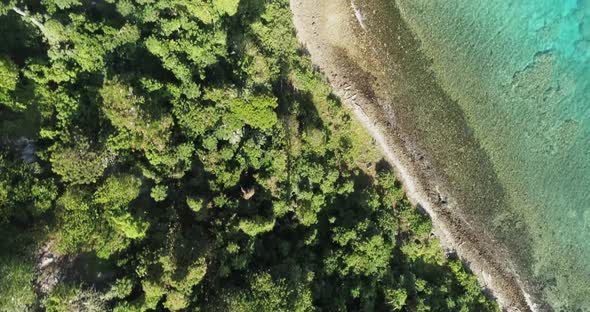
x: 308, y: 115
x: 350, y: 209
x: 301, y: 105
x: 89, y: 270
x: 19, y: 41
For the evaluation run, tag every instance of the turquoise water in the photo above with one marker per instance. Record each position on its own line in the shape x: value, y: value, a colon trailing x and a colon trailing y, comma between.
x: 520, y: 71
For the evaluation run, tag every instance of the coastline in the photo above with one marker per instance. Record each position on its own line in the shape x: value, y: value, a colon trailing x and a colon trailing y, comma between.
x: 339, y: 44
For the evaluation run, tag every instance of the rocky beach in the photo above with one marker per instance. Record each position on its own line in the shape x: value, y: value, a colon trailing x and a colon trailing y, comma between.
x: 390, y: 90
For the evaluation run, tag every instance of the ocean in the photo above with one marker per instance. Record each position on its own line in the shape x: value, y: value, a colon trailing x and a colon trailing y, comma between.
x: 519, y: 72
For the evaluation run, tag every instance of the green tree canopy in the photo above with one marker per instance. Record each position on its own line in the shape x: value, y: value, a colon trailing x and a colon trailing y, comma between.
x: 186, y: 155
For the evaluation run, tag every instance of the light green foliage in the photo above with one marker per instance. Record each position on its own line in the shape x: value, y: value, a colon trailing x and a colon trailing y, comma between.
x: 9, y: 76
x: 74, y: 198
x: 391, y: 192
x: 83, y: 42
x: 176, y: 301
x: 396, y: 298
x: 53, y: 5
x: 118, y: 191
x: 76, y: 229
x: 182, y: 46
x: 115, y: 195
x: 472, y: 290
x: 128, y: 225
x: 159, y: 192
x: 4, y: 190
x: 120, y: 105
x: 229, y: 7
x: 266, y: 294
x: 172, y: 163
x: 120, y: 289
x: 79, y: 164
x: 176, y: 280
x: 429, y: 251
x: 257, y: 112
x: 179, y: 298
x: 6, y: 6
x: 259, y: 69
x: 194, y: 275
x: 194, y: 118
x: 44, y: 194
x: 275, y: 31
x: 195, y: 204
x: 108, y: 243
x: 84, y: 227
x: 124, y: 111
x: 152, y: 294
x: 256, y: 226
x: 369, y: 257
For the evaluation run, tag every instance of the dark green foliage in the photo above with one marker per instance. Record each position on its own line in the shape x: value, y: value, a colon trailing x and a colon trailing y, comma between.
x: 23, y: 191
x: 192, y: 147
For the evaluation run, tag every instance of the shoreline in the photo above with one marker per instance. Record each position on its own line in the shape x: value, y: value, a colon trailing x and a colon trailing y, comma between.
x: 340, y: 47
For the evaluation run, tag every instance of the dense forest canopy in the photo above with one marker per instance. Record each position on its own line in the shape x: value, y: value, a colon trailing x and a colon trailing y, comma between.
x: 186, y: 155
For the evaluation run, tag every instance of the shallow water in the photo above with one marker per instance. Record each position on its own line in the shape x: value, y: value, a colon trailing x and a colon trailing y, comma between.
x: 520, y: 73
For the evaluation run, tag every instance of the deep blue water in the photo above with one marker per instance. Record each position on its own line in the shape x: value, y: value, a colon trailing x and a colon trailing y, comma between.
x: 520, y: 71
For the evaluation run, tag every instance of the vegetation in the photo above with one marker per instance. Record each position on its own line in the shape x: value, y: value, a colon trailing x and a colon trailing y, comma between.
x: 186, y: 155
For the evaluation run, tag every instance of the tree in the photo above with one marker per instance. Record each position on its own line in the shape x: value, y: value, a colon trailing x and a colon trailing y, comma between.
x: 115, y: 196
x: 79, y: 164
x: 257, y: 111
x: 159, y: 192
x: 9, y: 76
x: 267, y: 294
